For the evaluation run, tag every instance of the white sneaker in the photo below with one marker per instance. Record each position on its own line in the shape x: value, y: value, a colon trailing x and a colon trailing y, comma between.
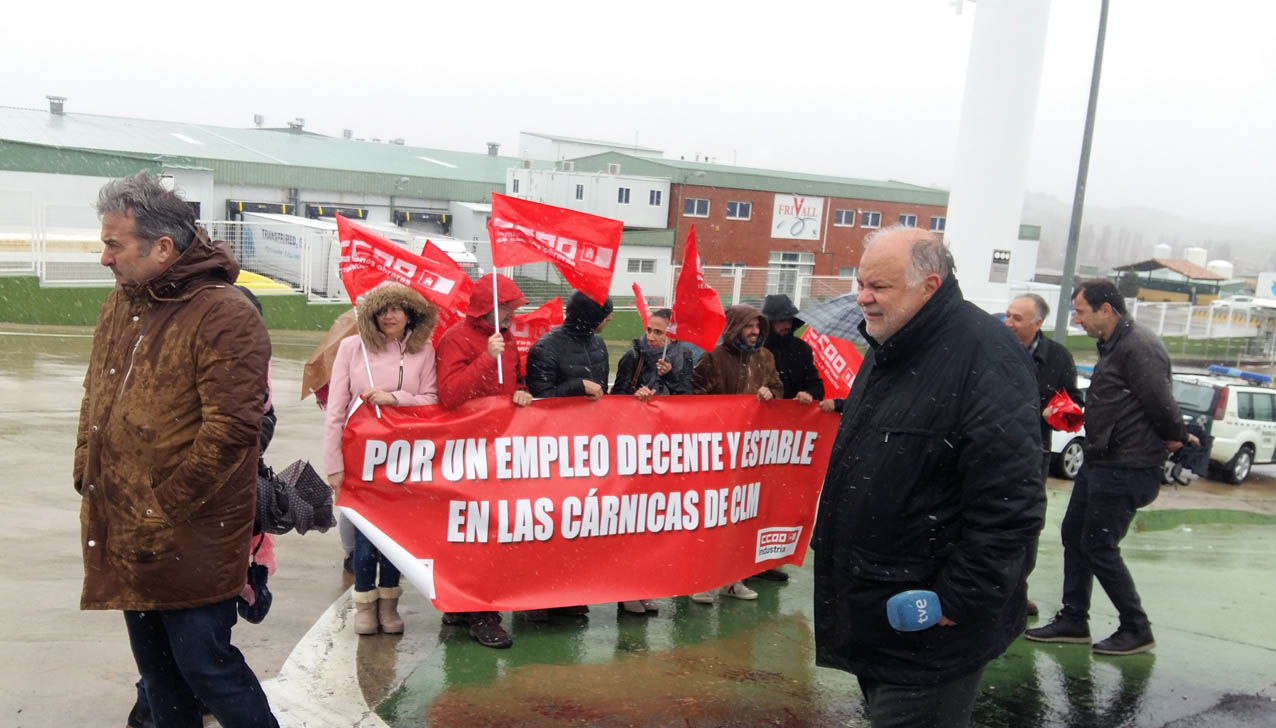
x: 705, y: 597
x: 739, y: 591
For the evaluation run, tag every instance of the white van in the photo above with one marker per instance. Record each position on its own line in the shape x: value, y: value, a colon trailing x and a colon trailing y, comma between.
x: 1238, y: 409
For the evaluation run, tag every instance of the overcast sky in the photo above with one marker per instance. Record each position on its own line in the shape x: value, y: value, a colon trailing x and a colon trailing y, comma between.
x: 861, y: 88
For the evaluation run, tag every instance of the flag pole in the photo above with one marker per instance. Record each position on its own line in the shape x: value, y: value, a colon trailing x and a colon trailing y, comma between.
x: 496, y: 324
x: 368, y: 366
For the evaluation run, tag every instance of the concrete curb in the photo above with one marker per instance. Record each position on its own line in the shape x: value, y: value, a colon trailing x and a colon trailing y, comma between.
x: 318, y: 685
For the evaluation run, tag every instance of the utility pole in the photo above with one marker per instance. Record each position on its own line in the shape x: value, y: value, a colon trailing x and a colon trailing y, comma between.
x: 1064, y: 305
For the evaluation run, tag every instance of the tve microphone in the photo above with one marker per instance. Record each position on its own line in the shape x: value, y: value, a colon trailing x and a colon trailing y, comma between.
x: 913, y: 610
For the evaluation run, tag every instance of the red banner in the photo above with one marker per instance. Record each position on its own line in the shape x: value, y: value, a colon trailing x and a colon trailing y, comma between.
x: 583, y: 247
x: 641, y: 302
x: 697, y: 311
x: 567, y: 501
x: 837, y: 359
x: 367, y: 260
x: 526, y: 328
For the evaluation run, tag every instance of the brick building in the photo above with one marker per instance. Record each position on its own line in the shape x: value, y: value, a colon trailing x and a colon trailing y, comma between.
x: 764, y: 218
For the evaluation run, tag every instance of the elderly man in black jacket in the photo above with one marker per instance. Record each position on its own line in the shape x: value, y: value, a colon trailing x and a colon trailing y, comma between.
x: 933, y: 483
x: 1132, y: 423
x: 793, y: 359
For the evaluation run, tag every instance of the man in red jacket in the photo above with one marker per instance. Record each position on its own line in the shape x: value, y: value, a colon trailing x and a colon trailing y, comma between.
x: 467, y: 360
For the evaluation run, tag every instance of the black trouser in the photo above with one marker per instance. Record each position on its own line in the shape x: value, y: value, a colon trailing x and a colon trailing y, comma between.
x: 1102, y: 506
x: 186, y: 658
x: 946, y: 705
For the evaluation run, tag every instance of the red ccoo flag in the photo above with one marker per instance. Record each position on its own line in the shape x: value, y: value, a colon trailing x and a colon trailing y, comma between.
x: 367, y: 260
x: 641, y: 302
x: 697, y: 313
x: 583, y: 247
x: 837, y: 360
x: 526, y: 328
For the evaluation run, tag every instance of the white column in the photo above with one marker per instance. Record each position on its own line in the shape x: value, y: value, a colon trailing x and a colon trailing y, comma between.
x: 993, y: 142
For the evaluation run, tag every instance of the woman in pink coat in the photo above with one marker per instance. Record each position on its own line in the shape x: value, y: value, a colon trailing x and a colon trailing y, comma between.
x: 390, y: 363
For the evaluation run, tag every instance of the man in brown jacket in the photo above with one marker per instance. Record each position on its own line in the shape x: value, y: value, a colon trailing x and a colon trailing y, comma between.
x: 739, y: 365
x: 166, y: 454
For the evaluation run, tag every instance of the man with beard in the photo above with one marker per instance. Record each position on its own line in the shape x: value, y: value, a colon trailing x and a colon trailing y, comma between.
x: 468, y: 357
x: 739, y: 365
x: 934, y: 484
x: 655, y: 365
x: 793, y: 358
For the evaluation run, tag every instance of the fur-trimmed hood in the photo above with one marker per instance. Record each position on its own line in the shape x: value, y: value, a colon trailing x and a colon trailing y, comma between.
x: 422, y: 316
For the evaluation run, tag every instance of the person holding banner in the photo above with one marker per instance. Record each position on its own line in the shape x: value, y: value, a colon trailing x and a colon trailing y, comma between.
x: 389, y: 363
x: 469, y: 354
x: 794, y: 361
x: 656, y: 365
x: 571, y: 361
x: 738, y: 365
x: 933, y: 489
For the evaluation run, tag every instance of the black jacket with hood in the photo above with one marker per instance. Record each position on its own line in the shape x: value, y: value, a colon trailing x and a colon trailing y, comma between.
x: 793, y: 359
x: 560, y: 361
x: 934, y: 482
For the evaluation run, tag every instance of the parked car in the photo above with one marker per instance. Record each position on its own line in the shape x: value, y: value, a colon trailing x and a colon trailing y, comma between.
x: 1238, y: 409
x: 1068, y: 448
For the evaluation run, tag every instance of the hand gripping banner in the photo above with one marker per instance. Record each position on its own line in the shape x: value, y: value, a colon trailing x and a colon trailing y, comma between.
x: 567, y: 501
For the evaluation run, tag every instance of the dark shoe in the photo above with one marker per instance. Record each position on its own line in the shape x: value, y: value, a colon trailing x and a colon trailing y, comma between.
x: 485, y: 628
x: 772, y: 575
x: 536, y: 615
x: 1126, y: 642
x: 1032, y: 609
x: 454, y: 619
x: 140, y: 716
x: 1061, y: 629
x: 348, y: 564
x: 580, y: 610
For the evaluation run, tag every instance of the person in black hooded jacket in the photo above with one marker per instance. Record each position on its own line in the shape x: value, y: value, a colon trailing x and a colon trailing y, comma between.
x: 934, y: 483
x: 793, y: 358
x: 571, y: 360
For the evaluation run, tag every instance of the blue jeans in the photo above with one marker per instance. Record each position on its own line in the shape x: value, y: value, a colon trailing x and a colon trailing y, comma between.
x: 366, y: 559
x: 1102, y: 506
x: 185, y: 657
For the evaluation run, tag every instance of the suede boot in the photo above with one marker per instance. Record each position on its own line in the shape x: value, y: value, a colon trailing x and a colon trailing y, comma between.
x: 388, y: 609
x: 365, y: 616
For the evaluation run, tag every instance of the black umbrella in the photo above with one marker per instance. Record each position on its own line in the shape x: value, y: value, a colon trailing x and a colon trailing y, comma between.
x: 295, y: 498
x: 839, y: 317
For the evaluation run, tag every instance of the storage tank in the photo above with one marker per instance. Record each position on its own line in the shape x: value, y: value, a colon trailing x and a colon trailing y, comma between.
x: 1162, y: 250
x: 1221, y: 267
x: 1195, y: 255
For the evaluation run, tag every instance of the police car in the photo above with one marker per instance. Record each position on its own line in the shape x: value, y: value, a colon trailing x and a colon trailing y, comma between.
x: 1237, y: 408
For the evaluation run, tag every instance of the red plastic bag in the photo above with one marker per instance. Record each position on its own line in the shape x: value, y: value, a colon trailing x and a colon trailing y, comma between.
x: 1066, y: 414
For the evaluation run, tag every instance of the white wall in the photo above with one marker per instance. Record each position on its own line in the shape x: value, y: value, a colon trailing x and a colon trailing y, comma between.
x: 196, y: 185
x: 600, y: 197
x: 1023, y: 261
x: 467, y: 223
x: 652, y: 284
x: 63, y: 202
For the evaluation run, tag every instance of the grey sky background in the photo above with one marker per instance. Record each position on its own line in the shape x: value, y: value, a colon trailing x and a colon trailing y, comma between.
x: 861, y: 88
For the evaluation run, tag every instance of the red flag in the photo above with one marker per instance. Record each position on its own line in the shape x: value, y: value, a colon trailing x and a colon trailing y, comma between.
x: 837, y: 359
x: 367, y: 259
x: 697, y: 313
x: 526, y: 328
x: 641, y: 302
x: 583, y: 247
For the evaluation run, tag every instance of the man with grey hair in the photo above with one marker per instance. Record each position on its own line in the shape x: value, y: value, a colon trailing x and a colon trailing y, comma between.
x: 1054, y: 369
x: 166, y: 454
x: 933, y: 484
